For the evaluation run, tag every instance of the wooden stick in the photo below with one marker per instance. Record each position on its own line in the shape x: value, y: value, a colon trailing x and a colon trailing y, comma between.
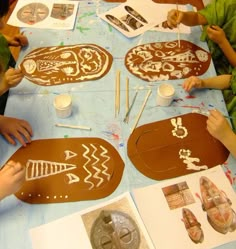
x: 117, y: 93
x: 141, y: 110
x: 178, y: 34
x: 127, y: 94
x: 74, y: 126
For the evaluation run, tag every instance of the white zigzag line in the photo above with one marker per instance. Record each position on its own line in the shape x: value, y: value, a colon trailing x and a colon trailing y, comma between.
x: 103, y: 164
x: 97, y: 169
x: 95, y: 149
x: 97, y: 177
x: 84, y: 166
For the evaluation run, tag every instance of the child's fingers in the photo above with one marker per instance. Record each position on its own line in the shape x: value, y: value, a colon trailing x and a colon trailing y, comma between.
x: 23, y: 40
x: 9, y: 168
x: 215, y: 114
x: 18, y: 168
x: 19, y: 177
x: 9, y: 139
x: 179, y: 17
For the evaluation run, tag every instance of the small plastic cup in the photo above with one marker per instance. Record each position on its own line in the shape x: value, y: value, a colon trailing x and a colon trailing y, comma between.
x: 165, y: 94
x: 63, y: 105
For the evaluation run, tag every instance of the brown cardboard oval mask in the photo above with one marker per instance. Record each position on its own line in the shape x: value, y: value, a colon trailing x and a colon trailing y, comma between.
x: 175, y: 147
x: 167, y: 61
x: 68, y: 169
x: 66, y: 64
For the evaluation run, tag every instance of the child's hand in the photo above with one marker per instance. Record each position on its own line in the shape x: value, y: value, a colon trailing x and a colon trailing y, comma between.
x: 18, y: 40
x: 12, y: 77
x: 192, y: 82
x: 218, y: 126
x: 12, y: 128
x: 174, y: 18
x: 216, y: 34
x: 12, y: 176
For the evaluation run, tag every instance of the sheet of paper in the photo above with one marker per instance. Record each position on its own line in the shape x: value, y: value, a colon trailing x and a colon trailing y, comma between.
x: 161, y: 208
x: 75, y: 231
x: 133, y: 18
x: 44, y: 14
x: 64, y: 233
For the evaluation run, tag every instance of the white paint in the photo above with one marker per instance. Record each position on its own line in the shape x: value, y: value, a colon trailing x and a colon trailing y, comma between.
x: 202, y: 55
x: 190, y: 161
x: 69, y: 154
x: 179, y: 130
x: 36, y: 169
x: 30, y: 66
x: 72, y: 178
x: 96, y: 165
x: 86, y: 179
x: 88, y: 62
x: 98, y: 171
x: 103, y: 164
x: 96, y: 176
x: 165, y: 94
x: 170, y: 62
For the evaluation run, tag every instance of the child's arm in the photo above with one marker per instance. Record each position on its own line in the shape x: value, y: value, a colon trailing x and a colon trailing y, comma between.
x: 217, y: 35
x: 218, y: 82
x: 17, y: 40
x: 219, y: 127
x: 12, y: 176
x: 188, y: 18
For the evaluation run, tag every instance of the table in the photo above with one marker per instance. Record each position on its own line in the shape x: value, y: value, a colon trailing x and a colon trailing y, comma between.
x: 93, y: 106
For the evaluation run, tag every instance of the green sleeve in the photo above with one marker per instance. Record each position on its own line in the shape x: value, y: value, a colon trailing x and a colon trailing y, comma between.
x: 5, y: 53
x: 223, y: 14
x: 233, y: 81
x: 215, y: 12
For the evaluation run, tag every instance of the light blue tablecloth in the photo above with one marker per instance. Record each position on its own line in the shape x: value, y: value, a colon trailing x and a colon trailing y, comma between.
x: 93, y: 106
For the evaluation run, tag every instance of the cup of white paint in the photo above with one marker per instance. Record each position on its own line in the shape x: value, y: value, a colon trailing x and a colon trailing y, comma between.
x: 165, y: 94
x: 63, y: 105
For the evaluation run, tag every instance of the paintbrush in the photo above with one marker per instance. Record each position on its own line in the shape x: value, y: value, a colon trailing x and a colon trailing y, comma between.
x: 129, y: 110
x: 178, y: 34
x: 230, y: 117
